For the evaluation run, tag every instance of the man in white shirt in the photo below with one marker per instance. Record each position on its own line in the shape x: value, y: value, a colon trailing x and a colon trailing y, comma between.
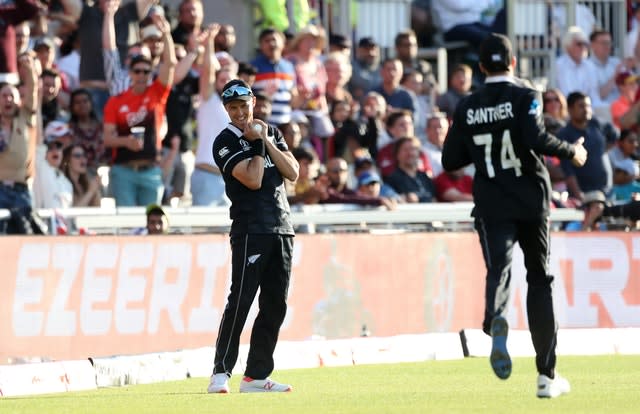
x: 607, y: 68
x: 573, y: 71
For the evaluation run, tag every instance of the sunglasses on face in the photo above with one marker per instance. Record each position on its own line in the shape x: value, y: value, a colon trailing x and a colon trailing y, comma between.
x: 78, y: 155
x: 56, y: 145
x: 139, y: 71
x: 551, y: 99
x: 237, y: 90
x: 338, y: 170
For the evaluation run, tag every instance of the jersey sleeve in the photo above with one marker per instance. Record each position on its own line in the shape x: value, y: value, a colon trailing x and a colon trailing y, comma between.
x: 455, y: 154
x: 534, y: 133
x: 228, y: 151
x: 278, y: 138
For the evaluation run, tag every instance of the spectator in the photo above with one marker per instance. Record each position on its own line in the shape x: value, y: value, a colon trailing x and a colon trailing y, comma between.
x: 627, y: 84
x: 454, y: 186
x: 275, y: 14
x: 625, y: 185
x: 462, y: 20
x: 631, y: 44
x: 225, y: 39
x: 399, y: 124
x: 370, y: 121
x: 366, y: 68
x: 625, y: 149
x: 307, y: 189
x: 135, y: 177
x: 276, y: 76
x: 69, y: 61
x: 346, y: 138
x: 51, y: 188
x: 341, y: 44
x: 291, y: 133
x: 89, y: 21
x: 437, y: 128
x: 338, y: 69
x: 573, y: 71
x: 12, y: 14
x: 23, y: 37
x: 413, y: 81
x: 190, y: 16
x: 17, y: 138
x: 86, y: 187
x: 396, y: 96
x: 46, y: 50
x: 554, y: 109
x: 459, y: 87
x: 51, y: 107
x: 413, y: 185
x: 370, y: 184
x: 337, y: 190
x: 406, y: 45
x: 207, y: 184
x: 157, y: 221
x: 87, y: 130
x: 263, y: 108
x: 592, y: 182
x: 607, y: 68
x: 365, y: 164
x: 247, y: 72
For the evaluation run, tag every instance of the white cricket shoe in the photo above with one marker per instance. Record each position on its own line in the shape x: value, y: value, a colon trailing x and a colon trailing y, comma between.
x: 265, y: 385
x: 219, y: 384
x: 551, y: 388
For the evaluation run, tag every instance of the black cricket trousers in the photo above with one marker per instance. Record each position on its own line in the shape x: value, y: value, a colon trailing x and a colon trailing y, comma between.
x: 257, y: 261
x: 497, y: 239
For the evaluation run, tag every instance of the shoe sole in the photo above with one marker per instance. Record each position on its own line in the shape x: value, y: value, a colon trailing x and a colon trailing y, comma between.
x: 262, y: 390
x: 500, y: 360
x: 223, y: 391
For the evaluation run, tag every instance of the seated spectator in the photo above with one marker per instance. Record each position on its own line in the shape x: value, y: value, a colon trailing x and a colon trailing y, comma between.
x: 627, y: 84
x: 454, y: 186
x: 607, y: 68
x: 157, y: 221
x: 370, y: 184
x: 554, y: 109
x: 437, y: 129
x: 337, y: 190
x: 263, y: 107
x: 626, y: 147
x: 51, y: 188
x: 459, y: 87
x: 371, y: 120
x: 347, y: 133
x: 396, y: 96
x: 413, y: 185
x: 86, y: 187
x: 463, y: 20
x: 339, y: 70
x: 364, y: 163
x: 573, y: 70
x: 414, y: 82
x: 307, y: 189
x: 625, y: 185
x: 87, y: 129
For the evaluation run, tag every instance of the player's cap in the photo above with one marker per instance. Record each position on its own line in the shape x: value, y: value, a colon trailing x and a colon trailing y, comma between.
x: 626, y: 78
x: 367, y: 178
x: 236, y: 89
x: 496, y: 53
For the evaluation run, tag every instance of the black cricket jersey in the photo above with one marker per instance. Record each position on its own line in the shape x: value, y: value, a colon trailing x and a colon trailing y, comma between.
x: 500, y: 129
x: 262, y: 211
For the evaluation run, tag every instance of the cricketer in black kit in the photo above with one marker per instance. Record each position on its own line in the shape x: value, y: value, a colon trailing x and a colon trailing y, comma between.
x: 254, y: 160
x: 500, y: 129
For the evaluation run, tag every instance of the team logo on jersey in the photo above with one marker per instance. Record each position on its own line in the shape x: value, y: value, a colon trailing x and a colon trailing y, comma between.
x: 224, y: 151
x: 253, y: 258
x: 245, y: 144
x: 535, y: 108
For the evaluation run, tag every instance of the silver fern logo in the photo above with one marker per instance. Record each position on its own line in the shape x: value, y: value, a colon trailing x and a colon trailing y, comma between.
x: 253, y: 258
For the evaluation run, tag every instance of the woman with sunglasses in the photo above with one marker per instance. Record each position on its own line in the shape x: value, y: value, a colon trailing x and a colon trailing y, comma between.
x: 554, y: 109
x: 86, y: 187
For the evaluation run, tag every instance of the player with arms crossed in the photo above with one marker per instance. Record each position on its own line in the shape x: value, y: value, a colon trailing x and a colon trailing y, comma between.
x: 500, y: 129
x: 254, y: 160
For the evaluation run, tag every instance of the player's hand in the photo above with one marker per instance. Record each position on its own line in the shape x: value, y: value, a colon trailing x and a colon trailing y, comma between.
x: 580, y: 156
x: 256, y: 129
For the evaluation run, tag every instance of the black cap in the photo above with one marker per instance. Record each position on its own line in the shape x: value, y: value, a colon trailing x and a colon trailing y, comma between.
x: 367, y: 42
x: 496, y: 53
x: 340, y: 41
x: 236, y: 89
x: 138, y: 58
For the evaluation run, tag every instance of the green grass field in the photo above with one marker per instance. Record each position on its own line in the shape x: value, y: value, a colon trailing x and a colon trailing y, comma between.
x: 603, y: 384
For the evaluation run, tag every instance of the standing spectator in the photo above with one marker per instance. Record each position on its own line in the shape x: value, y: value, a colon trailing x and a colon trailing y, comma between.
x: 459, y: 86
x: 51, y: 188
x: 17, y: 139
x: 631, y: 44
x: 413, y: 185
x: 254, y: 162
x: 573, y: 71
x: 371, y: 121
x: 89, y: 21
x: 406, y: 45
x: 627, y: 84
x: 135, y: 177
x: 462, y: 20
x: 276, y: 75
x: 46, y: 50
x: 207, y: 184
x: 338, y: 69
x: 592, y: 181
x: 190, y: 16
x: 51, y: 107
x: 12, y: 13
x: 511, y: 195
x: 87, y: 130
x: 341, y: 44
x: 413, y: 81
x: 396, y: 96
x: 86, y: 187
x: 366, y: 68
x: 23, y: 37
x: 607, y: 68
x: 247, y: 72
x: 69, y: 61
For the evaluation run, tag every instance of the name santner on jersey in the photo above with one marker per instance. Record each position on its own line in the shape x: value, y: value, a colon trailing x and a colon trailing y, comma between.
x: 489, y: 114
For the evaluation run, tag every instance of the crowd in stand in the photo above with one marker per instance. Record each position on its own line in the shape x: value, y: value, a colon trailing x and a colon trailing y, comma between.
x: 102, y: 99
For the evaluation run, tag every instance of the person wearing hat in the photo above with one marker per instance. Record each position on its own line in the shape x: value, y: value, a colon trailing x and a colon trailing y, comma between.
x: 17, y: 135
x: 132, y: 123
x: 500, y: 129
x: 51, y: 188
x: 365, y: 68
x: 340, y: 43
x: 254, y: 160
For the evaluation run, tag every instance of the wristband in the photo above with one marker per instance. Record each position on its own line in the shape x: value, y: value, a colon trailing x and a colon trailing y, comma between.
x: 258, y: 147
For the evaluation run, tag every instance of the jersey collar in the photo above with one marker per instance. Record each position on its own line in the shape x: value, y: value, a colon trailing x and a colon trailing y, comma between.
x: 235, y: 129
x: 499, y: 78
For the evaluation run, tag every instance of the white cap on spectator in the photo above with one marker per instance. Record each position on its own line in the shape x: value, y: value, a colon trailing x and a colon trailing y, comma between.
x: 55, y: 130
x: 150, y: 31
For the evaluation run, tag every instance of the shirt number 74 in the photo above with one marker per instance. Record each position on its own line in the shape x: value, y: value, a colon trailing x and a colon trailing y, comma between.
x: 508, y: 158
